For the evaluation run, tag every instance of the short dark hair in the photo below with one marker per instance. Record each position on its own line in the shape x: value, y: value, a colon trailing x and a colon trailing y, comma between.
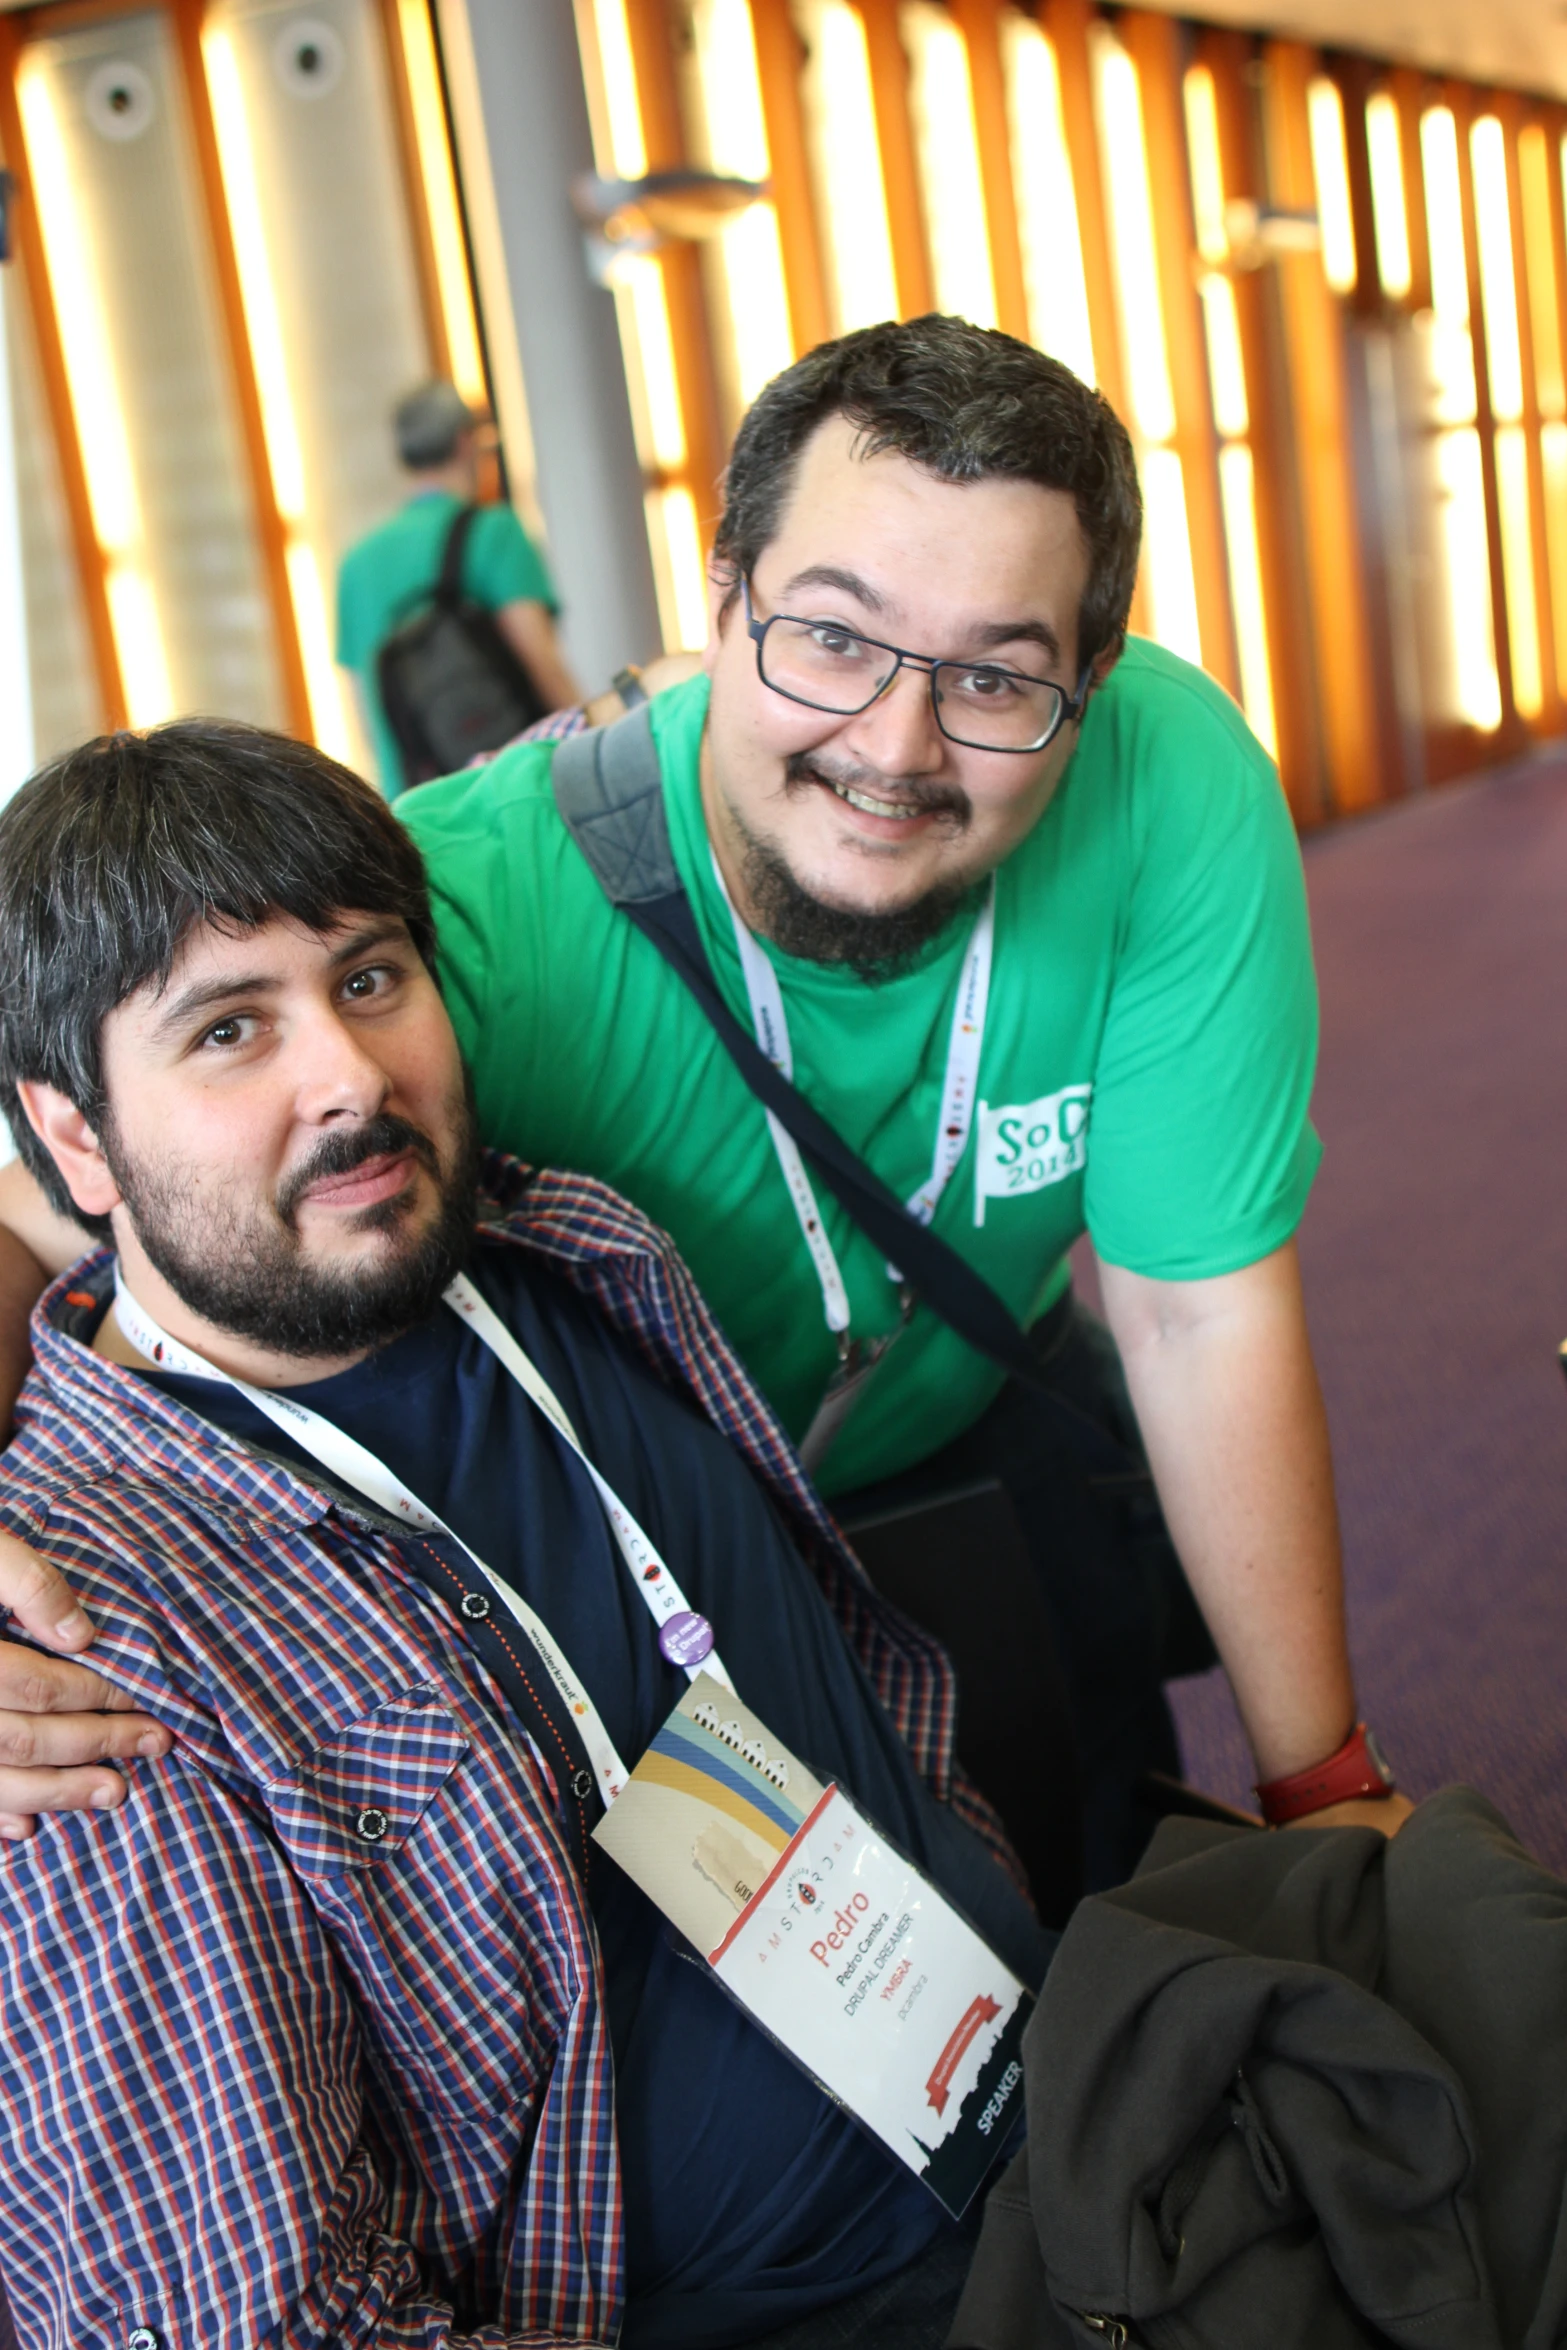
x: 968, y: 404
x: 110, y: 855
x: 429, y: 424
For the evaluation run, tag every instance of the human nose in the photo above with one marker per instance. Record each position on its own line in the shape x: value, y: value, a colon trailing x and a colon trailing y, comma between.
x: 339, y: 1077
x: 898, y: 734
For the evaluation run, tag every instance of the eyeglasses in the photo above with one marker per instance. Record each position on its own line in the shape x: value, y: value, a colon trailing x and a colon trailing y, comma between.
x: 980, y: 704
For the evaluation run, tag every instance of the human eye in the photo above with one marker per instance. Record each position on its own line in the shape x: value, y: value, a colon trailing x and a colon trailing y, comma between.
x: 371, y: 982
x: 996, y: 687
x: 832, y: 643
x: 229, y: 1034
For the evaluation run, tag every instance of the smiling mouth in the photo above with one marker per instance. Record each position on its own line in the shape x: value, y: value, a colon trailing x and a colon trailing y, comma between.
x: 897, y: 811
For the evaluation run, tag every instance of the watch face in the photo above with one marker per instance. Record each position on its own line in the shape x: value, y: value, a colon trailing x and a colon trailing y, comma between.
x: 1379, y: 1761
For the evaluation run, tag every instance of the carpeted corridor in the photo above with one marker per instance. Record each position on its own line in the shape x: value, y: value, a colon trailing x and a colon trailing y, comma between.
x: 1435, y: 1251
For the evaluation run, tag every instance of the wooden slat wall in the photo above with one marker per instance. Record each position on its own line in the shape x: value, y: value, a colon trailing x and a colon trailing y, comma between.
x: 271, y: 536
x: 652, y: 32
x: 889, y: 68
x: 1230, y: 57
x: 1154, y: 45
x: 1314, y: 344
x: 1513, y: 113
x: 980, y: 24
x: 57, y: 390
x: 779, y: 63
x: 1462, y: 100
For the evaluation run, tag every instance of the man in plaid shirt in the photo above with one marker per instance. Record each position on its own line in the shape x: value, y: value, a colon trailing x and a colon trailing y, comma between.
x: 338, y: 2031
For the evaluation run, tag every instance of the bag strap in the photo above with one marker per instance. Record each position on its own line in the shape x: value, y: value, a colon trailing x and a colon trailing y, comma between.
x: 610, y: 794
x: 448, y: 586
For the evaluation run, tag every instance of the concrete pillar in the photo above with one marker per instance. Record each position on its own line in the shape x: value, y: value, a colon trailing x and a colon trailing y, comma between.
x: 535, y: 114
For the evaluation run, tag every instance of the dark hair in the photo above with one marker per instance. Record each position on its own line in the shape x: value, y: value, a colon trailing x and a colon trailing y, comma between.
x: 428, y: 425
x: 968, y: 404
x: 110, y: 855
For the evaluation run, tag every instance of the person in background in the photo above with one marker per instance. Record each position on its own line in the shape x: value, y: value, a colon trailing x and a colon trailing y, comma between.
x: 387, y: 575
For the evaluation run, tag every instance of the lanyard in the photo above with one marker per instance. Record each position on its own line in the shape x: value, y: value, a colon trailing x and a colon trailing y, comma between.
x: 965, y: 1042
x: 348, y: 1460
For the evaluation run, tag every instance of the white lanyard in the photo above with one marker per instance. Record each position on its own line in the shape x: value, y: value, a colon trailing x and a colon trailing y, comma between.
x: 344, y: 1458
x: 964, y: 1046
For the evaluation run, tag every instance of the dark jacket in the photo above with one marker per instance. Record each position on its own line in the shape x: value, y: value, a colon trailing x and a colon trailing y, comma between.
x: 1295, y: 2092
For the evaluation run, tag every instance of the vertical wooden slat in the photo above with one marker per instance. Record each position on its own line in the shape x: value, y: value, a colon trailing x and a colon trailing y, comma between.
x: 1066, y: 22
x: 1357, y: 78
x: 1410, y: 92
x: 889, y: 70
x: 780, y: 60
x: 431, y: 309
x: 270, y: 531
x: 979, y: 21
x: 1230, y: 58
x: 57, y: 390
x: 1461, y: 98
x: 1153, y: 43
x: 652, y: 33
x: 1315, y: 344
x: 1512, y: 113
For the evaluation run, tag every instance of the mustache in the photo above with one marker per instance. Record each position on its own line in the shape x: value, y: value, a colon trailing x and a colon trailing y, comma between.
x: 345, y: 1148
x: 922, y: 792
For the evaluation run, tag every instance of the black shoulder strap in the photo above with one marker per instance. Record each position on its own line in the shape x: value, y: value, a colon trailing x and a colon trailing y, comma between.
x: 448, y: 587
x: 610, y: 794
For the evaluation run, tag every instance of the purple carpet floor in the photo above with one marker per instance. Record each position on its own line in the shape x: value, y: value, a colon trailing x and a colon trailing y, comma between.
x: 1435, y: 1252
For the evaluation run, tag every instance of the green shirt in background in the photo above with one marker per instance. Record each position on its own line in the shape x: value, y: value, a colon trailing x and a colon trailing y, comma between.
x: 386, y: 577
x: 1147, y: 1059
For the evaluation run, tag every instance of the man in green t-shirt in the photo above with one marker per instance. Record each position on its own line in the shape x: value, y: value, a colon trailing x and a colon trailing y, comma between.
x: 1021, y: 905
x: 386, y: 577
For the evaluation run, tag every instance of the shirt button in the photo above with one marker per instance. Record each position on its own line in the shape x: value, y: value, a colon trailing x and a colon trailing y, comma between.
x: 372, y: 1826
x: 143, y: 2339
x: 582, y: 1785
x: 475, y: 1606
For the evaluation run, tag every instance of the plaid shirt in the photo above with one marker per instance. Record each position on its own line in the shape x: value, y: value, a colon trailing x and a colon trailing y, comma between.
x: 261, y: 2079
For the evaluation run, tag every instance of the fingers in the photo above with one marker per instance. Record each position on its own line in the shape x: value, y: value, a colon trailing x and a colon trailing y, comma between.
x: 47, y: 1763
x: 40, y: 1598
x: 34, y: 1684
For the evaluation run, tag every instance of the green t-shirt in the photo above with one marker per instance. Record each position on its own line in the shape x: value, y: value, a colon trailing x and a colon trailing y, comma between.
x: 1152, y: 969
x: 386, y: 577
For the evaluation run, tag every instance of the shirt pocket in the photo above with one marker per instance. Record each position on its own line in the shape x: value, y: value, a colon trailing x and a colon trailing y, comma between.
x: 356, y: 1799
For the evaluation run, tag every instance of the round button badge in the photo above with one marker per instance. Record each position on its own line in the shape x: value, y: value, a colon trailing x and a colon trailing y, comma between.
x: 686, y: 1638
x: 372, y: 1823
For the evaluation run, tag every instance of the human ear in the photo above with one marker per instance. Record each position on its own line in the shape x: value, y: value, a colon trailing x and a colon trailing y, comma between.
x: 70, y: 1141
x: 723, y: 592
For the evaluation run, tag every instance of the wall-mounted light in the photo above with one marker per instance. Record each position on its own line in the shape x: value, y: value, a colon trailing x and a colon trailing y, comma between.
x: 625, y: 218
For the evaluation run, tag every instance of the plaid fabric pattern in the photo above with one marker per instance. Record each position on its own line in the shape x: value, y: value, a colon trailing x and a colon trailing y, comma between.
x: 317, y: 2017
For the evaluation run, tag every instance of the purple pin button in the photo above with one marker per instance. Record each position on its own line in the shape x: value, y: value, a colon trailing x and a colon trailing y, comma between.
x: 686, y: 1638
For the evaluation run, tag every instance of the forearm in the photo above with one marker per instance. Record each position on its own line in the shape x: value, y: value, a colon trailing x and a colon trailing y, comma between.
x: 1231, y: 1412
x: 22, y: 1282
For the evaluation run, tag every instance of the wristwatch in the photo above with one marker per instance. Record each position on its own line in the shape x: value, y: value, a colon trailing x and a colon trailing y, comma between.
x: 628, y: 684
x: 1358, y: 1769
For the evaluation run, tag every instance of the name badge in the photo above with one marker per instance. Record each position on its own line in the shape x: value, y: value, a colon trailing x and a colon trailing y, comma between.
x: 828, y: 1937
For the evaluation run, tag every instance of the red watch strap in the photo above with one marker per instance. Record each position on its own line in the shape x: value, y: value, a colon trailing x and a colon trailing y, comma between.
x: 1359, y: 1768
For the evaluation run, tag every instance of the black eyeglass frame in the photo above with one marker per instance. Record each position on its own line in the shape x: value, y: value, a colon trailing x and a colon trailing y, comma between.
x: 1070, y: 707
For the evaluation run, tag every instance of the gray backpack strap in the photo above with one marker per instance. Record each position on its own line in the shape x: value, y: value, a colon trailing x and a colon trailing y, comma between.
x: 610, y: 794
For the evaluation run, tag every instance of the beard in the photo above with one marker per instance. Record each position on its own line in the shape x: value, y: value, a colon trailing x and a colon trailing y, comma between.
x: 252, y: 1276
x: 876, y: 946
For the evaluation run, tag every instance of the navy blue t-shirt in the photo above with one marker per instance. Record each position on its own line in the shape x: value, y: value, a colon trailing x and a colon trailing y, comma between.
x: 750, y: 2199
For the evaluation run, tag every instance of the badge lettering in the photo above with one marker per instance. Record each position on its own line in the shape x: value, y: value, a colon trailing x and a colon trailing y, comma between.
x: 1023, y: 1146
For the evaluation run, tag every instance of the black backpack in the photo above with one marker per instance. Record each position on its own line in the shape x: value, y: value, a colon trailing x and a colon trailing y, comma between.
x: 451, y: 685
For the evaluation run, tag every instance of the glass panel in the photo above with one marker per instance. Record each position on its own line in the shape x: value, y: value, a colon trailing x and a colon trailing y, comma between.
x: 120, y: 209
x: 1385, y: 149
